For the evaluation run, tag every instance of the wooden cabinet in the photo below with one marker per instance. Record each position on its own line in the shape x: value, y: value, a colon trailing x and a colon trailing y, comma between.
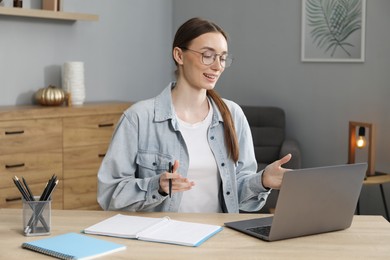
x: 86, y: 140
x: 32, y: 149
x: 37, y: 142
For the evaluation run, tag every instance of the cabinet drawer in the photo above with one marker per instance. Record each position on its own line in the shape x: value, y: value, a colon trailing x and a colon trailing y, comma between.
x: 89, y: 130
x: 81, y: 193
x: 83, y: 161
x: 10, y: 197
x: 34, y: 167
x: 30, y: 135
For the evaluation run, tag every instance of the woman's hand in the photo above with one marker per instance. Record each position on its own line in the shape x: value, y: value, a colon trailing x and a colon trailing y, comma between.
x: 178, y: 182
x: 273, y: 173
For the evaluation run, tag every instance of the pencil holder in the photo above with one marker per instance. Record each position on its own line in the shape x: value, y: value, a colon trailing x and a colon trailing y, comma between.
x: 36, y: 217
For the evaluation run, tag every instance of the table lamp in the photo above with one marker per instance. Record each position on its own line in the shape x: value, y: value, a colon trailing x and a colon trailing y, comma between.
x: 357, y: 140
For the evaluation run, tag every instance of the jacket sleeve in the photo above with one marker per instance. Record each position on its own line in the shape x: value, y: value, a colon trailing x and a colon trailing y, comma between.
x: 119, y: 187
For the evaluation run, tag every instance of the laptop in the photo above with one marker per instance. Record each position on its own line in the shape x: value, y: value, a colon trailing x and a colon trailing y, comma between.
x: 310, y: 201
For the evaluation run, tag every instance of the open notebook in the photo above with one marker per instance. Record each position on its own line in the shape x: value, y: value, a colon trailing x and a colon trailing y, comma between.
x: 162, y: 230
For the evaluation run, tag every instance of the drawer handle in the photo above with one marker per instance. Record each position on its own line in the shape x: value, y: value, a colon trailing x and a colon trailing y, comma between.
x: 101, y: 155
x: 14, y: 132
x: 13, y: 199
x: 8, y: 166
x: 106, y: 125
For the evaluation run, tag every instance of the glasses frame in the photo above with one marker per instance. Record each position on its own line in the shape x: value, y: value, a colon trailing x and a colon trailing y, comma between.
x: 214, y: 57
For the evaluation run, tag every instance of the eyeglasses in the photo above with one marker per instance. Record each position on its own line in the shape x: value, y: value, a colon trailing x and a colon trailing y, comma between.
x: 209, y: 57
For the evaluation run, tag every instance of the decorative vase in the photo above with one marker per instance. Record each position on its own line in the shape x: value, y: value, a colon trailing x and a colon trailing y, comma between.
x: 73, y: 81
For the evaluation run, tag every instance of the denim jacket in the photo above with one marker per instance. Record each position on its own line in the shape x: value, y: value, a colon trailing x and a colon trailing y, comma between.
x: 147, y: 138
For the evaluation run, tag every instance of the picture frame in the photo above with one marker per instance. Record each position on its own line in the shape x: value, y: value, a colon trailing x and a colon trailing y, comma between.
x: 333, y: 30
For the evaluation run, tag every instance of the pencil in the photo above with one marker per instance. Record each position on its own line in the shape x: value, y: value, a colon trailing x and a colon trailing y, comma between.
x: 47, y: 188
x: 21, y: 189
x: 46, y: 194
x: 28, y: 189
x: 170, y: 180
x: 28, y: 197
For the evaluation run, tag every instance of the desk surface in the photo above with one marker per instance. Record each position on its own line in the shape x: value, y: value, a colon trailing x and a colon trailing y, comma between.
x: 377, y: 179
x: 367, y: 238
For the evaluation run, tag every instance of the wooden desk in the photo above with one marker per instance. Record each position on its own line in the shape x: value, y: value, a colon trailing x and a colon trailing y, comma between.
x: 368, y: 238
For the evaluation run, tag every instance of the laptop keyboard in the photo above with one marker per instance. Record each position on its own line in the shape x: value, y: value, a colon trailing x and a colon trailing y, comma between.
x: 264, y: 230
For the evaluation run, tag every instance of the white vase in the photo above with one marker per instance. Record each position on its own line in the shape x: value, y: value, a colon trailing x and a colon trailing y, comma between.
x: 73, y: 81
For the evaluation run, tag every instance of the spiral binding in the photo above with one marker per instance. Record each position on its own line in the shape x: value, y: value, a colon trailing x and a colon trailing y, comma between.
x: 47, y: 252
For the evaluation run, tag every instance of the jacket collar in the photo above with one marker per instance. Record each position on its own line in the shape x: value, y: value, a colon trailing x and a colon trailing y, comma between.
x: 164, y: 110
x: 163, y: 106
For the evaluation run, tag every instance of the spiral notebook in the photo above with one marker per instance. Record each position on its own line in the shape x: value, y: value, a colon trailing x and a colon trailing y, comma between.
x: 73, y: 246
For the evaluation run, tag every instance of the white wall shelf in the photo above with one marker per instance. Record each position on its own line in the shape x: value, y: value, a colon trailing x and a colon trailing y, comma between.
x: 45, y: 14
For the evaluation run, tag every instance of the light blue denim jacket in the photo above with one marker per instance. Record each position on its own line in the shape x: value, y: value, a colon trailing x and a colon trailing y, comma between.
x: 147, y: 138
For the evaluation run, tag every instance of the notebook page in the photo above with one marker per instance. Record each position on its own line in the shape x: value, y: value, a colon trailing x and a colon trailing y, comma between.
x: 122, y: 226
x: 180, y: 232
x: 164, y: 221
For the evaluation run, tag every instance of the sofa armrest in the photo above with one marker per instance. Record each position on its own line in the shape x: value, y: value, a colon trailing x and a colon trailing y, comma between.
x: 291, y: 146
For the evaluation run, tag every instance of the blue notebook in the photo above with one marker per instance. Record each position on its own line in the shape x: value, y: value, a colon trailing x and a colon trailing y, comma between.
x: 73, y: 246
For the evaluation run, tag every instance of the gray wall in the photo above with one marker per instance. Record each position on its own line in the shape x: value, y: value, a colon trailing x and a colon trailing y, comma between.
x: 126, y: 53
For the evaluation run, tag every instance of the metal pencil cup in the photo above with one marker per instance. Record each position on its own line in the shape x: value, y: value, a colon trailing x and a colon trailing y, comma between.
x: 36, y: 217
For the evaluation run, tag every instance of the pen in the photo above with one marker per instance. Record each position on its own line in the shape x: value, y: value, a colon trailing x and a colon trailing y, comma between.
x: 170, y: 180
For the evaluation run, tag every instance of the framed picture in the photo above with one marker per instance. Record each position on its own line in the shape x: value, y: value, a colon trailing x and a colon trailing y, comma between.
x: 333, y: 30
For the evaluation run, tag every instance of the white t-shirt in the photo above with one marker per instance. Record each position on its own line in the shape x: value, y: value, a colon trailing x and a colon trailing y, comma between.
x: 203, y: 197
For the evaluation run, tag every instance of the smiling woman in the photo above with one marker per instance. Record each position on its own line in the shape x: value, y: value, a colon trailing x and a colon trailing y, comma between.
x: 207, y: 139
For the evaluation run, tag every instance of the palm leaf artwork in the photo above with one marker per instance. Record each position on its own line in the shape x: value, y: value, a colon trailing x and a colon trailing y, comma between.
x: 332, y: 22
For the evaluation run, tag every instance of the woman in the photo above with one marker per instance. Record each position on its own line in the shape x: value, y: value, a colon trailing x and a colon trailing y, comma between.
x: 206, y: 138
